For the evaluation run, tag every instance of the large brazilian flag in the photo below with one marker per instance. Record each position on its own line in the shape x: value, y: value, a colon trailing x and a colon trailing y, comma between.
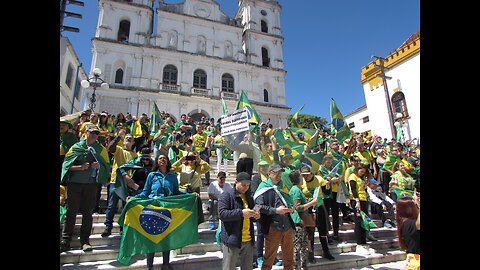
x: 338, y: 121
x: 243, y: 101
x: 155, y: 225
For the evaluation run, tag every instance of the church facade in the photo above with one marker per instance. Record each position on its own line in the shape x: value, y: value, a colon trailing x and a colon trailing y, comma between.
x: 186, y: 57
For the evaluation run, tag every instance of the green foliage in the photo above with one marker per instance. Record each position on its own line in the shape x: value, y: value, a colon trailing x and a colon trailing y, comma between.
x: 307, y: 120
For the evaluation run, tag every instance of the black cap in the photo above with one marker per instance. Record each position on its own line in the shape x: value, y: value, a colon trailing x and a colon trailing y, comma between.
x: 243, y: 177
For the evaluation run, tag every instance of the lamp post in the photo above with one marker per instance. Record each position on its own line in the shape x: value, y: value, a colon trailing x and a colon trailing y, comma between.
x: 94, y: 81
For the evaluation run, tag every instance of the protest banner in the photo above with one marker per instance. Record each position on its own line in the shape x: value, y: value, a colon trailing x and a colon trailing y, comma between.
x: 235, y: 122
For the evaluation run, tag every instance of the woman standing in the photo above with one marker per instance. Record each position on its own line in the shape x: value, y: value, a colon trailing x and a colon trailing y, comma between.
x: 359, y: 201
x: 408, y: 218
x: 310, y: 183
x: 332, y: 174
x: 161, y: 182
x: 300, y: 205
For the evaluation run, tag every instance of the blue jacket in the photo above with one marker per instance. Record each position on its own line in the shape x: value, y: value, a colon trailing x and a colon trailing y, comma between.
x: 230, y: 207
x: 160, y: 185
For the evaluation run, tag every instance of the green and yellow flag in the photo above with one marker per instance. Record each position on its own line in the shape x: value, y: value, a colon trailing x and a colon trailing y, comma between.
x: 253, y: 116
x: 343, y: 132
x: 224, y: 107
x: 295, y: 147
x: 402, y: 192
x: 155, y: 225
x: 154, y: 120
x: 314, y: 160
x: 81, y: 150
x: 367, y: 223
x: 295, y: 117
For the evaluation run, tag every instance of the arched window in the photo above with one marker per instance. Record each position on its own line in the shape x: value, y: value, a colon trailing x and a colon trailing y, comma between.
x: 265, y: 95
x: 399, y: 105
x: 123, y: 30
x: 119, y: 76
x: 227, y: 83
x: 265, y: 59
x: 170, y: 75
x: 200, y: 79
x: 264, y: 26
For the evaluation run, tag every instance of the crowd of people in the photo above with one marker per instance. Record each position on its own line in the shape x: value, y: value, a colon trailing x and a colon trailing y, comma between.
x: 286, y: 197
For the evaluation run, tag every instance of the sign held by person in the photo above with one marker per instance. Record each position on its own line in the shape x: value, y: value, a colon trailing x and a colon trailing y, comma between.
x: 235, y: 122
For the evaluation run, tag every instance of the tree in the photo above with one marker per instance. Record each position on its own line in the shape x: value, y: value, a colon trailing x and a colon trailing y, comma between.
x: 307, y: 120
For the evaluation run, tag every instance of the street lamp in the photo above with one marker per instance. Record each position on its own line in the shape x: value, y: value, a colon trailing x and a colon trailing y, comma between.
x: 94, y: 81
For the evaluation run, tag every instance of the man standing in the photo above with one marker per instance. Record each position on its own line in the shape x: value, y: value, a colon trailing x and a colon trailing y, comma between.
x: 202, y: 142
x: 121, y: 156
x: 237, y: 233
x: 85, y: 166
x: 215, y: 189
x: 277, y: 225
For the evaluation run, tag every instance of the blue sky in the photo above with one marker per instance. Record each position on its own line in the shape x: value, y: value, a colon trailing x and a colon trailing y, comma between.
x: 326, y: 43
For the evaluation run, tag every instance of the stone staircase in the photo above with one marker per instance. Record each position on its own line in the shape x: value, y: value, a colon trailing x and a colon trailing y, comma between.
x: 207, y: 255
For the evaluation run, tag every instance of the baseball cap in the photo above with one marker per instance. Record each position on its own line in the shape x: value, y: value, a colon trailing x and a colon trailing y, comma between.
x: 263, y: 163
x: 275, y: 168
x: 375, y: 182
x: 243, y: 177
x: 91, y: 128
x: 306, y: 170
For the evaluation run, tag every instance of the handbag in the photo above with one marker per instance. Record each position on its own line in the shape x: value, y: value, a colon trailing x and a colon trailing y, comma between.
x: 307, y: 219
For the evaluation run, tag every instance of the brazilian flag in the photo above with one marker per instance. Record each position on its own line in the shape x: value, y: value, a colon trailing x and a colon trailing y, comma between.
x: 156, y: 225
x: 343, y: 132
x: 295, y: 147
x: 402, y: 192
x: 154, y: 120
x: 226, y: 152
x: 295, y: 117
x: 367, y: 223
x: 314, y: 160
x: 253, y: 116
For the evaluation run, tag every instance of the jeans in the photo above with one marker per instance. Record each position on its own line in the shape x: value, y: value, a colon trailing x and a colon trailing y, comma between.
x: 112, y: 206
x: 205, y: 156
x: 81, y: 197
x: 232, y: 253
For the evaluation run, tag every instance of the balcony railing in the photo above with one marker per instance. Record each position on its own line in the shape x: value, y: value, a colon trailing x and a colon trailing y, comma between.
x: 224, y: 94
x: 201, y: 91
x: 169, y: 87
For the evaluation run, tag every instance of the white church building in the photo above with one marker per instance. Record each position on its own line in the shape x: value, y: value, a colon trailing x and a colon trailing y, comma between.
x: 185, y: 57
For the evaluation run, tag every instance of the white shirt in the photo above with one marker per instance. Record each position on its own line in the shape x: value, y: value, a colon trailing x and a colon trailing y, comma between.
x: 216, y: 190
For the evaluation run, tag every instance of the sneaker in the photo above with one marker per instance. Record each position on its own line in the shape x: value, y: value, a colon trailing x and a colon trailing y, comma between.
x: 259, y: 261
x: 387, y: 224
x: 107, y: 232
x: 362, y: 249
x: 277, y: 262
x: 86, y: 247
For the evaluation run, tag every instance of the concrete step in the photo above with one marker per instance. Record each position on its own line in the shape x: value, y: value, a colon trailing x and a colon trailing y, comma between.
x: 213, y: 260
x: 108, y: 246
